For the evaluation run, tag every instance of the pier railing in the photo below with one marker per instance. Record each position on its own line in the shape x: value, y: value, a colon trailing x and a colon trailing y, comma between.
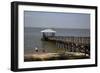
x: 78, y: 40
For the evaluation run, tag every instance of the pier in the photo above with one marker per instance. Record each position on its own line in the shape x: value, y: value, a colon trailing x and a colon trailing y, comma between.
x: 69, y: 43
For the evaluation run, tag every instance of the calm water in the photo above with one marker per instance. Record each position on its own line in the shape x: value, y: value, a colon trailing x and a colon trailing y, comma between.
x: 32, y: 38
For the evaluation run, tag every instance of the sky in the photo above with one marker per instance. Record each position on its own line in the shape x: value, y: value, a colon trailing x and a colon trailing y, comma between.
x: 56, y: 20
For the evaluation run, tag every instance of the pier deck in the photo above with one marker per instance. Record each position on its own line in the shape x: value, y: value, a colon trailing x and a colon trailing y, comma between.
x: 77, y: 40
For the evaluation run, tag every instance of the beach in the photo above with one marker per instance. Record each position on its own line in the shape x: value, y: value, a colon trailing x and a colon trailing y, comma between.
x: 55, y: 56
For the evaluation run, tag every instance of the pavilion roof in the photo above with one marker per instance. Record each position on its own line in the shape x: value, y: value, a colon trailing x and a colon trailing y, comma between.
x: 48, y: 31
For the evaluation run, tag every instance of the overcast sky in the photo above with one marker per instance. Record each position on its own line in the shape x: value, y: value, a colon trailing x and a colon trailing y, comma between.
x: 56, y: 20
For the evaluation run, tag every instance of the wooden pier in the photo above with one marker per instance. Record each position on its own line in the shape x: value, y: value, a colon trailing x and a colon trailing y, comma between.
x: 70, y: 43
x: 78, y: 40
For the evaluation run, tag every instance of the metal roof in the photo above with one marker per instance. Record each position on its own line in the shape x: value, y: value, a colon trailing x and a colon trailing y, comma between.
x: 48, y: 31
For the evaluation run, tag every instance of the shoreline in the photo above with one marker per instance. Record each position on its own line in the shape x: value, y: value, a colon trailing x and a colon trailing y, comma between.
x: 55, y: 56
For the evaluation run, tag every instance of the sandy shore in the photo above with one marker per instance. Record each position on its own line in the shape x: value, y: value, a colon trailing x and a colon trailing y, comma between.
x: 55, y: 56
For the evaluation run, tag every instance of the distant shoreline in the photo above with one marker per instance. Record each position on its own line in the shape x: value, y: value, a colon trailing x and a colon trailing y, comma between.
x: 57, y: 28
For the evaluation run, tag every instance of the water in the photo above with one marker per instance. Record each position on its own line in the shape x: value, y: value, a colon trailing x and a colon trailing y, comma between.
x: 32, y: 38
